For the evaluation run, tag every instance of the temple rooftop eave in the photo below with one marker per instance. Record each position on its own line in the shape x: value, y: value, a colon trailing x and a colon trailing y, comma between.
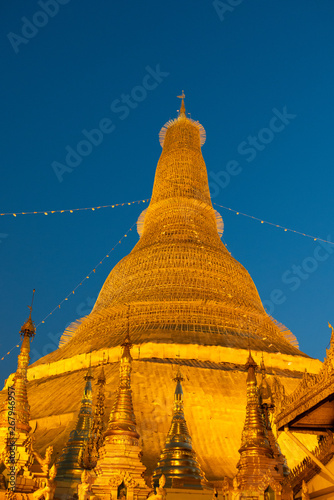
x: 310, y: 408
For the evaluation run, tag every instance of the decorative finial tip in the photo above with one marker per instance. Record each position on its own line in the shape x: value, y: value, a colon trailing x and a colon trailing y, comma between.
x: 182, y: 112
x: 250, y: 361
x: 89, y: 375
x: 178, y: 377
x: 28, y: 329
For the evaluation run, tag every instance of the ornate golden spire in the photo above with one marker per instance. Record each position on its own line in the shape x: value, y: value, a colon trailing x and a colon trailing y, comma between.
x: 254, y: 436
x: 22, y: 409
x: 68, y: 467
x: 15, y: 412
x: 266, y: 398
x: 95, y: 441
x: 119, y: 464
x: 257, y: 463
x: 267, y: 405
x: 122, y: 421
x: 178, y: 461
x: 28, y: 329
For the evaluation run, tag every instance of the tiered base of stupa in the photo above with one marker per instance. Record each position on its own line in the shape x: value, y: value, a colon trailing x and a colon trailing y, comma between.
x: 189, y: 494
x: 120, y: 466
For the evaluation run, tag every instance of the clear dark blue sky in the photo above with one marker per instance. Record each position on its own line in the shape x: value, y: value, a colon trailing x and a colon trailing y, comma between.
x: 242, y: 67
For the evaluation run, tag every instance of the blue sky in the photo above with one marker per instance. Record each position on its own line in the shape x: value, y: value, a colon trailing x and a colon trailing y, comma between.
x: 258, y: 75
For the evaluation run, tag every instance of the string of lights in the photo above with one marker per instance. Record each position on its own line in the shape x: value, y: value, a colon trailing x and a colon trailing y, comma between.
x: 126, y: 234
x: 72, y: 210
x: 78, y: 285
x: 315, y: 238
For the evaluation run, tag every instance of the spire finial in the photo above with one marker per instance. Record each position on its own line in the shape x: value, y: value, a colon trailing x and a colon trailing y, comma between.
x: 178, y: 377
x: 28, y: 329
x: 263, y: 368
x: 127, y: 341
x: 89, y: 375
x: 32, y: 301
x: 182, y: 112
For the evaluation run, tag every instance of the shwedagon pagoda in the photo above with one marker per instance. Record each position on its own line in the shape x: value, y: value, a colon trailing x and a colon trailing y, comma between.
x: 169, y: 386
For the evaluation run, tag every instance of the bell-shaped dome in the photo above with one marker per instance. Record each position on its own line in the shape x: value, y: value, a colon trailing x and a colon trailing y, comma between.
x: 179, y: 283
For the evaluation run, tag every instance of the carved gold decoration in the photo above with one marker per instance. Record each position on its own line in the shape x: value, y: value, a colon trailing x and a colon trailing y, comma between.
x: 305, y: 492
x: 47, y: 490
x: 85, y: 487
x: 46, y: 461
x: 161, y: 493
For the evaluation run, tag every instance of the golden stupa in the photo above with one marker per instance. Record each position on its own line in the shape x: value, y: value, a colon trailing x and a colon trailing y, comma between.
x: 186, y: 301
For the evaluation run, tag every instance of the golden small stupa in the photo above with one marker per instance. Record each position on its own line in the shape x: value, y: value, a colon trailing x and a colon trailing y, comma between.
x: 119, y: 465
x: 69, y: 463
x: 259, y: 467
x: 188, y: 299
x: 178, y: 461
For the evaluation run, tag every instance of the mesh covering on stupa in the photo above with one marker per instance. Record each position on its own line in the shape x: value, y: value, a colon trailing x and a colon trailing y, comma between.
x: 180, y: 281
x: 186, y: 301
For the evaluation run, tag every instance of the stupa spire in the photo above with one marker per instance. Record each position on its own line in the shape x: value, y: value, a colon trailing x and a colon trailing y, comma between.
x: 182, y: 112
x: 254, y: 436
x: 119, y: 466
x: 27, y: 333
x: 178, y: 461
x: 91, y: 452
x: 122, y: 419
x: 15, y: 415
x: 259, y: 467
x: 69, y: 467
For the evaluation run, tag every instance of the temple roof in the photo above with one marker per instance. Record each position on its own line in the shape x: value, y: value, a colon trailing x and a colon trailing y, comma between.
x: 310, y: 408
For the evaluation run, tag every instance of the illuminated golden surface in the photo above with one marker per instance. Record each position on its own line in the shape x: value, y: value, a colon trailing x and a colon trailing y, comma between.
x: 190, y: 302
x: 179, y: 279
x: 178, y: 462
